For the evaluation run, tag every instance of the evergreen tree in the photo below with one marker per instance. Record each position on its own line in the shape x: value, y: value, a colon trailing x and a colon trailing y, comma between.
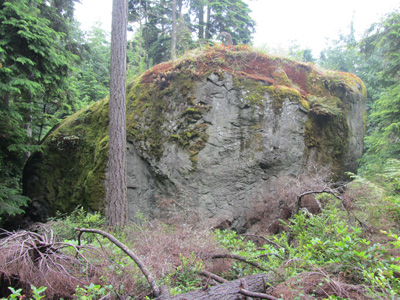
x: 344, y: 54
x: 297, y: 53
x: 34, y: 67
x: 204, y: 19
x: 383, y: 40
x: 91, y: 77
x: 232, y: 16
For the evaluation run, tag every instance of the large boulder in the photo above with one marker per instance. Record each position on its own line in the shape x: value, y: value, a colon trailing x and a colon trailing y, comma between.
x: 209, y: 136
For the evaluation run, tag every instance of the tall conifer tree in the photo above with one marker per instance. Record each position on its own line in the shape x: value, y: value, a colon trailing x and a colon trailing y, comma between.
x: 384, y: 140
x: 116, y: 190
x: 34, y: 69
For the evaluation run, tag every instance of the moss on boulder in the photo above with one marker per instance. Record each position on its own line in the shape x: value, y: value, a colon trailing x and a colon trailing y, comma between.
x: 172, y: 105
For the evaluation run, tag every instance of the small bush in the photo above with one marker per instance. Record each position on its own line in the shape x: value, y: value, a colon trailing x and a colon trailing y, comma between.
x: 64, y: 227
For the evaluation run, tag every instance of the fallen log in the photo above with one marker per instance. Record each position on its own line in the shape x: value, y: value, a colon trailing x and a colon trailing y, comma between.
x: 230, y: 290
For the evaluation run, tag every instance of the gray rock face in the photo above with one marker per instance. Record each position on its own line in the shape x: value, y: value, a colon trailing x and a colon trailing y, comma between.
x: 249, y: 149
x: 212, y: 146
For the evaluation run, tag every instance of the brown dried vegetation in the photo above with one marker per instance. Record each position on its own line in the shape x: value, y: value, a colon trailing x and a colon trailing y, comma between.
x: 28, y: 258
x: 317, y: 285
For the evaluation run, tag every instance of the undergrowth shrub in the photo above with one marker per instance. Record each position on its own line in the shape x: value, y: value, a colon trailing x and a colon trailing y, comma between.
x: 327, y: 253
x: 175, y: 253
x: 185, y: 277
x: 378, y: 196
x: 92, y: 291
x: 64, y: 226
x: 36, y: 293
x: 266, y: 255
x: 323, y: 246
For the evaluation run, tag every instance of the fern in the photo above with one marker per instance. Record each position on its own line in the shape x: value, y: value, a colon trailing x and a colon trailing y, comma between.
x: 11, y: 202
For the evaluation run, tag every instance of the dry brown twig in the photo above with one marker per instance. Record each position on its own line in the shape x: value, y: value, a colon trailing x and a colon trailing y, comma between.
x: 213, y: 276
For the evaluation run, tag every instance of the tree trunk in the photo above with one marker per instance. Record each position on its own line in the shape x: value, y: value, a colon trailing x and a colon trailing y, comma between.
x: 180, y: 8
x: 28, y: 127
x: 226, y: 291
x: 173, y: 33
x: 162, y: 4
x: 116, y: 191
x: 140, y: 36
x: 208, y: 36
x: 42, y: 124
x: 201, y: 22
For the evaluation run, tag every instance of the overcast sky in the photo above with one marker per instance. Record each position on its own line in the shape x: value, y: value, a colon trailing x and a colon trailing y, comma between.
x: 279, y: 22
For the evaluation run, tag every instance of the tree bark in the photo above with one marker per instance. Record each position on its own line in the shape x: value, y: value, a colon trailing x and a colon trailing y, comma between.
x: 230, y: 290
x: 116, y: 190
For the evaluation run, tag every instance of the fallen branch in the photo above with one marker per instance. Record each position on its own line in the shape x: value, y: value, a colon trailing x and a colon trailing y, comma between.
x: 139, y: 263
x: 270, y: 254
x: 276, y: 245
x: 237, y: 257
x: 213, y: 276
x: 256, y: 295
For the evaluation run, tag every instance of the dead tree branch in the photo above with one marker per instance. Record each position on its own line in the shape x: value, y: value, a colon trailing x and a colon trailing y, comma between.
x: 256, y: 295
x: 237, y: 257
x: 213, y: 276
x: 276, y: 245
x: 139, y: 263
x: 325, y: 190
x: 270, y: 254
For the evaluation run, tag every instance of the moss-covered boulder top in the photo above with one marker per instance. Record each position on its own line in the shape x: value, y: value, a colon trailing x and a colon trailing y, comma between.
x: 212, y: 134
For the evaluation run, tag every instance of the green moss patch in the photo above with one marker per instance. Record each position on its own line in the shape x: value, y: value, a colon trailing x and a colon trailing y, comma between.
x: 73, y: 167
x: 329, y: 136
x: 328, y: 105
x: 164, y: 111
